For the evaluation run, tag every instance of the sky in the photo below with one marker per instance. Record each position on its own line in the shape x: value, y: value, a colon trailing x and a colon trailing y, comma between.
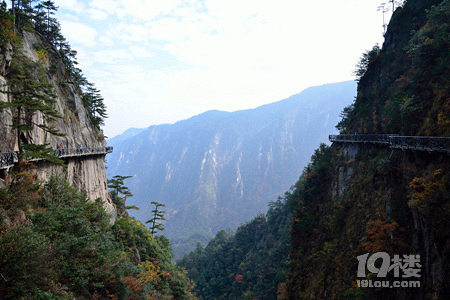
x: 161, y: 61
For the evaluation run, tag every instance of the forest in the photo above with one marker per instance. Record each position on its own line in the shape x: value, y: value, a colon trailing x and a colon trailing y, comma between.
x: 56, y: 244
x: 248, y: 264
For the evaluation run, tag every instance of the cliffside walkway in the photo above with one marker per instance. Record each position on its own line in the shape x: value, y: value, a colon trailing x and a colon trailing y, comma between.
x: 395, y: 141
x: 8, y: 159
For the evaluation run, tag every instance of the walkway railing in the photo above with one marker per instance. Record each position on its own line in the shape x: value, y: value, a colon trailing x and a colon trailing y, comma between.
x: 362, y: 138
x: 421, y: 143
x: 72, y: 152
x: 394, y: 141
x: 8, y: 159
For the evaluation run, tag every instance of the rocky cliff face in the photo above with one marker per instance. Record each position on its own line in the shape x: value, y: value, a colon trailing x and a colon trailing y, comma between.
x: 86, y: 173
x: 359, y: 199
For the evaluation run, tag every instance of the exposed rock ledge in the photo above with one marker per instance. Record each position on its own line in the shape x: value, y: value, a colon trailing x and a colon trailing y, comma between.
x: 88, y: 173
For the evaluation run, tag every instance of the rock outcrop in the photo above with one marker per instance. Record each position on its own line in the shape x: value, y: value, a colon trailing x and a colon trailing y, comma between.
x: 85, y: 173
x: 364, y: 198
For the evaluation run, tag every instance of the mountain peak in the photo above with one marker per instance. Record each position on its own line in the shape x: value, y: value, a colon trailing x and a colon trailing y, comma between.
x: 218, y: 169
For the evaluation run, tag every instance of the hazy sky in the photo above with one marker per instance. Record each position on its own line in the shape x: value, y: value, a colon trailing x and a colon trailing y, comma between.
x: 160, y: 61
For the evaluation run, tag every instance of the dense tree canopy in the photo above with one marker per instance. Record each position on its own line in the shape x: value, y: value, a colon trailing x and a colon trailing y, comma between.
x: 58, y: 245
x: 248, y: 264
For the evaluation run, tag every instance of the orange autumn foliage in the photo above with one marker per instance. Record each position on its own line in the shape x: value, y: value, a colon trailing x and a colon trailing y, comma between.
x: 382, y: 236
x: 425, y: 190
x: 131, y: 283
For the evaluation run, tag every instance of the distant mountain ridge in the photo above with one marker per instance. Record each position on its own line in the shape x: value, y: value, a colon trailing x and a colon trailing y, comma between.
x: 130, y: 132
x: 219, y: 169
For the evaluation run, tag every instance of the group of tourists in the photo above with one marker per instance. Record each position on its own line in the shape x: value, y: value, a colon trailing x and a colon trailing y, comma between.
x: 62, y: 151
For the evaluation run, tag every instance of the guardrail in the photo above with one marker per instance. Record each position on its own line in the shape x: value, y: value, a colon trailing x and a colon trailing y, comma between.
x: 395, y: 141
x: 73, y: 152
x: 421, y: 143
x: 8, y: 159
x: 362, y: 138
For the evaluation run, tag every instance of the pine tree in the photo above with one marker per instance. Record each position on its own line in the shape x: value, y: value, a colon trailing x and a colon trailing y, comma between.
x: 30, y: 93
x: 94, y: 103
x: 22, y: 13
x: 119, y: 193
x: 158, y: 216
x: 51, y: 27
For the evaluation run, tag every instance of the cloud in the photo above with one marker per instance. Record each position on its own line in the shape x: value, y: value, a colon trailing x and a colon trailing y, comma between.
x: 145, y: 10
x: 141, y: 52
x: 108, y: 6
x: 165, y: 60
x: 70, y: 5
x: 129, y: 33
x: 97, y: 14
x: 113, y: 56
x: 79, y: 33
x: 106, y: 41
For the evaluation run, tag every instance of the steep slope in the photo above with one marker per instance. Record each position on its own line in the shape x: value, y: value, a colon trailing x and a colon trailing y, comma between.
x: 119, y: 139
x: 361, y: 199
x: 58, y: 241
x: 405, y: 89
x: 218, y: 169
x: 248, y: 264
x: 88, y: 173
